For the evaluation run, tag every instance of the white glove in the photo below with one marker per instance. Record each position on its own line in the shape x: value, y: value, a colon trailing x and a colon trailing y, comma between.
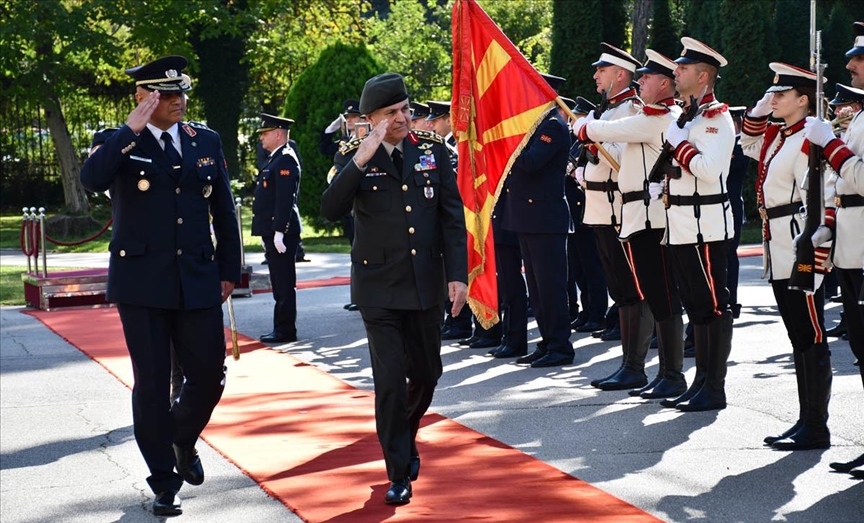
x: 675, y: 136
x: 822, y: 235
x: 579, y: 174
x: 655, y: 189
x: 582, y: 122
x: 279, y: 243
x: 818, y: 131
x: 334, y: 125
x: 763, y: 106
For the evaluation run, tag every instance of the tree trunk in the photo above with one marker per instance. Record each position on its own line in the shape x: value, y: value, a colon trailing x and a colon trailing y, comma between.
x: 642, y: 10
x: 73, y: 193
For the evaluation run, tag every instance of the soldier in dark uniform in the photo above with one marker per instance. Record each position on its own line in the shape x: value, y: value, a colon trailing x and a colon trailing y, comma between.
x: 167, y: 179
x: 738, y: 168
x: 344, y: 124
x: 275, y: 219
x: 536, y: 210
x: 438, y: 120
x: 409, y: 254
x: 419, y: 112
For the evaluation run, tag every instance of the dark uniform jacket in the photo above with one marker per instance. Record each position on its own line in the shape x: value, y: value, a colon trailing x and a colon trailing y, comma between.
x: 535, y: 202
x: 410, y: 226
x: 162, y: 254
x: 275, y: 205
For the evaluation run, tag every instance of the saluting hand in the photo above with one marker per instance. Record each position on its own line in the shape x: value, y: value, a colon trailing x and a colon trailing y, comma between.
x: 458, y: 293
x: 139, y: 117
x: 370, y: 144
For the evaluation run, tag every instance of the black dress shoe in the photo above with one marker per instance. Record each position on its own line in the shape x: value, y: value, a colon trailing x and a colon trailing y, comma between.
x: 455, y: 334
x: 807, y: 438
x: 626, y: 379
x: 275, y: 337
x: 484, y: 343
x: 769, y: 440
x: 847, y: 466
x: 580, y: 320
x: 665, y: 389
x: 838, y: 330
x: 590, y: 326
x: 552, y: 359
x: 531, y: 358
x: 351, y: 307
x: 399, y: 492
x: 613, y: 334
x: 506, y: 351
x: 469, y: 340
x: 414, y: 468
x: 189, y: 465
x: 167, y: 504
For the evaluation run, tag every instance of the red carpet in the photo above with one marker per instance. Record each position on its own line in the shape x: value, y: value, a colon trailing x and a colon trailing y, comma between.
x: 309, y: 440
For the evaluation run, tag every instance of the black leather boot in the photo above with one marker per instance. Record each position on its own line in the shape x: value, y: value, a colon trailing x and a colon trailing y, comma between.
x: 814, y: 433
x: 700, y: 340
x: 712, y: 395
x: 802, y: 400
x: 672, y: 383
x: 637, y: 326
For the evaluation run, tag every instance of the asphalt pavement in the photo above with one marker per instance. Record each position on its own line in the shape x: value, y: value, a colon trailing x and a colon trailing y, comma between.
x: 67, y: 452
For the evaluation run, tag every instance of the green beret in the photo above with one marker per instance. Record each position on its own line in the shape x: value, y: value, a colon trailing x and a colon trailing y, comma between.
x: 382, y: 91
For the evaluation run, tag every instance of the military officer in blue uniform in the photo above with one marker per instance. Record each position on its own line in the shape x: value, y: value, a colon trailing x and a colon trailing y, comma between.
x: 409, y: 255
x: 168, y: 178
x: 275, y: 219
x: 536, y: 210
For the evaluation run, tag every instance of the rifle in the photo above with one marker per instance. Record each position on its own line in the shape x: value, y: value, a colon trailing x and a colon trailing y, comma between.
x: 803, y: 276
x: 585, y: 155
x: 663, y: 165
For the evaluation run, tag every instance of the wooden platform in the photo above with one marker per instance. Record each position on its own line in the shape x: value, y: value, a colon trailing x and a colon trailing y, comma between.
x: 79, y: 288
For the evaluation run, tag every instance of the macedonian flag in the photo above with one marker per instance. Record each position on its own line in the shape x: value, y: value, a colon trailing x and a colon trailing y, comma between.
x: 499, y: 100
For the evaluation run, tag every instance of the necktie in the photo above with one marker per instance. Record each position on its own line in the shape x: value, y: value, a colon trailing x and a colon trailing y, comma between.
x: 397, y: 159
x: 170, y: 151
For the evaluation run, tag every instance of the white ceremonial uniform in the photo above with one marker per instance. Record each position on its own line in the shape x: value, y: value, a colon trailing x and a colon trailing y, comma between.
x: 783, y: 184
x: 704, y: 173
x: 848, y: 250
x: 599, y: 210
x: 641, y: 138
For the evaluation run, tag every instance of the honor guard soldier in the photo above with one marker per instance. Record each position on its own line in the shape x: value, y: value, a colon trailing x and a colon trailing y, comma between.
x: 168, y: 179
x: 613, y: 76
x: 419, y: 112
x: 847, y: 102
x: 275, y: 219
x: 699, y: 221
x: 410, y: 247
x: 643, y: 223
x: 781, y: 191
x: 536, y: 210
x: 846, y: 157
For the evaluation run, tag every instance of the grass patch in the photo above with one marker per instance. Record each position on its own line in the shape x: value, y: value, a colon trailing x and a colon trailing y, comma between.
x: 11, y: 286
x: 313, y: 239
x: 751, y: 233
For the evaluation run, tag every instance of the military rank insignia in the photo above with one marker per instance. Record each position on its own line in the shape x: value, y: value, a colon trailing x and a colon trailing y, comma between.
x: 206, y: 162
x: 427, y: 163
x: 189, y: 130
x: 285, y: 172
x: 429, y: 192
x: 545, y: 138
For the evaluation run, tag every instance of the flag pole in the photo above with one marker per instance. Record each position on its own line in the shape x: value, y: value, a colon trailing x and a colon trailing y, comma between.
x: 606, y: 156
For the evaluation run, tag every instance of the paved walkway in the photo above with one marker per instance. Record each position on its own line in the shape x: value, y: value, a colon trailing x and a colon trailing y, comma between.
x: 67, y: 452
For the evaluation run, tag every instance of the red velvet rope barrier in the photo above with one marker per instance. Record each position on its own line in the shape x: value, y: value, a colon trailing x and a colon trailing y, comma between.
x: 32, y: 229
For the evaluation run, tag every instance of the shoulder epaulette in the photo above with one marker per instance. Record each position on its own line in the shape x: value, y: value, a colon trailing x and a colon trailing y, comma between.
x: 199, y: 125
x: 715, y: 108
x: 350, y: 145
x: 655, y: 109
x: 428, y: 135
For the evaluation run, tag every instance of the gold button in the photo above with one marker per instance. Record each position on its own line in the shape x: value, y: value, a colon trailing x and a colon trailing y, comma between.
x: 428, y: 182
x: 508, y: 189
x: 177, y: 190
x: 578, y: 203
x: 122, y: 253
x: 179, y: 252
x: 404, y: 188
x: 410, y: 230
x: 374, y: 187
x: 407, y: 208
x: 413, y: 252
x: 365, y: 262
x: 530, y: 200
x: 179, y: 221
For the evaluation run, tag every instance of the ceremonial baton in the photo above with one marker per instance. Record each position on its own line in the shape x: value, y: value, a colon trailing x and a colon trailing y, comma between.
x: 235, y: 347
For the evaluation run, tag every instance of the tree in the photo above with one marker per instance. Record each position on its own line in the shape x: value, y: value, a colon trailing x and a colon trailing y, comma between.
x: 639, y: 21
x: 701, y: 21
x: 614, y: 17
x: 576, y: 35
x: 837, y: 39
x: 663, y: 38
x: 792, y: 19
x: 314, y: 100
x: 746, y: 42
x: 527, y: 24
